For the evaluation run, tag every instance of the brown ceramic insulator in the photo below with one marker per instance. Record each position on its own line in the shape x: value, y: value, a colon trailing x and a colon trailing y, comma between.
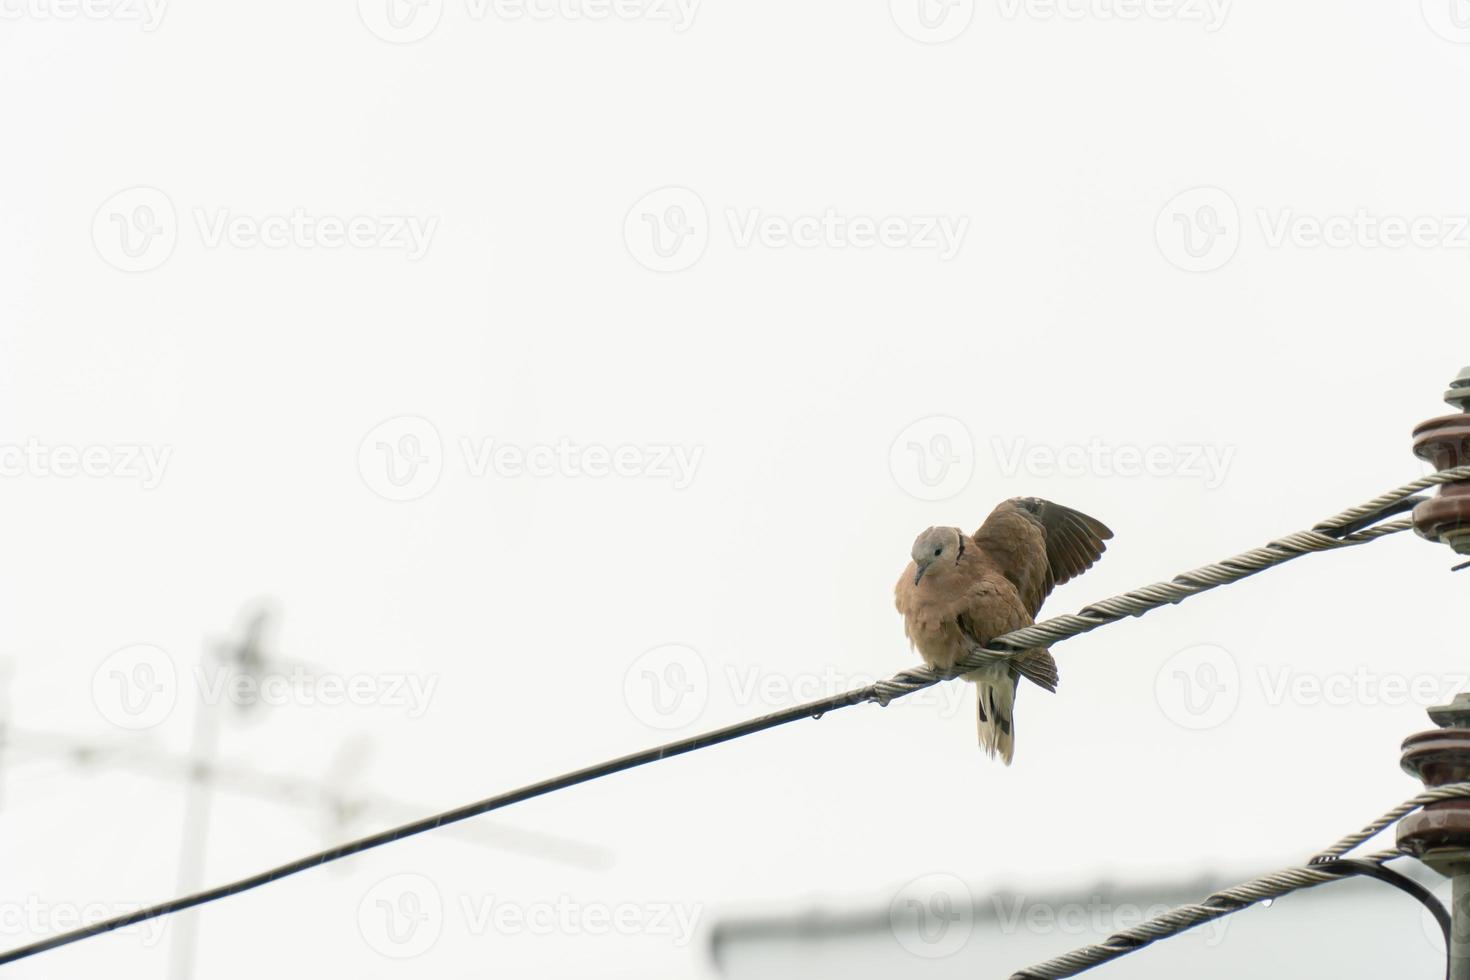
x: 1444, y: 443
x: 1437, y: 758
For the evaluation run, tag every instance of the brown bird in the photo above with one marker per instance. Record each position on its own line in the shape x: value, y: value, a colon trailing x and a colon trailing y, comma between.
x: 963, y: 589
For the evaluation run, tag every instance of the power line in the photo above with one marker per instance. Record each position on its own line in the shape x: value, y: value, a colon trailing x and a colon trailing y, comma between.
x: 286, y: 789
x: 1451, y: 791
x: 1351, y: 527
x: 1326, y: 867
x: 810, y: 710
x: 1354, y: 526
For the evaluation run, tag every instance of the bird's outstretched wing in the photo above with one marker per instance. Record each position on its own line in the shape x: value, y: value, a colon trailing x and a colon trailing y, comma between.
x: 1038, y: 545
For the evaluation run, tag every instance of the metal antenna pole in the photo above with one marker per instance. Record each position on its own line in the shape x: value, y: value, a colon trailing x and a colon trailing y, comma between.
x: 244, y: 655
x: 194, y: 840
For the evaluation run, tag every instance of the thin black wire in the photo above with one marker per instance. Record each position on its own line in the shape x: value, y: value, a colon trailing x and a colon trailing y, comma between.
x: 812, y: 709
x: 1368, y: 520
x: 1407, y: 885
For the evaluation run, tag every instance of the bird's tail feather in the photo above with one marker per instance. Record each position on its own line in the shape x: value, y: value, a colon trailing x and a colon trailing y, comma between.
x: 995, y: 712
x: 1038, y: 667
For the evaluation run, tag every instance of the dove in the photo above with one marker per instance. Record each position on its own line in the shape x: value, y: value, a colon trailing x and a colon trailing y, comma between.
x: 963, y: 590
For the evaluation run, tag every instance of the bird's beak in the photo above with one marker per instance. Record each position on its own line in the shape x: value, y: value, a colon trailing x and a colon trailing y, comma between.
x: 920, y: 573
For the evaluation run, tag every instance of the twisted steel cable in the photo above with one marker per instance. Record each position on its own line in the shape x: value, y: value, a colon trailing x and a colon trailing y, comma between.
x: 1350, y: 527
x: 1342, y: 530
x: 1184, y: 917
x: 1453, y: 791
x: 1323, y: 868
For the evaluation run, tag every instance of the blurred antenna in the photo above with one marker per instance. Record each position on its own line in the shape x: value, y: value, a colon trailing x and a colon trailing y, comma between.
x: 345, y: 806
x: 243, y: 654
x: 342, y: 804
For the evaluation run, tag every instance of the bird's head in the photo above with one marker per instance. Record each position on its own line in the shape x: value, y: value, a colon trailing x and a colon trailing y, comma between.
x: 937, y: 548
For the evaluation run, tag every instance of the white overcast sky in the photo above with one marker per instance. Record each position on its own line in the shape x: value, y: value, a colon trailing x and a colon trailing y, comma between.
x: 791, y: 242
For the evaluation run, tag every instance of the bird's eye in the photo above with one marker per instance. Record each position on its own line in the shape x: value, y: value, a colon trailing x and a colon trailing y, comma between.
x: 938, y: 552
